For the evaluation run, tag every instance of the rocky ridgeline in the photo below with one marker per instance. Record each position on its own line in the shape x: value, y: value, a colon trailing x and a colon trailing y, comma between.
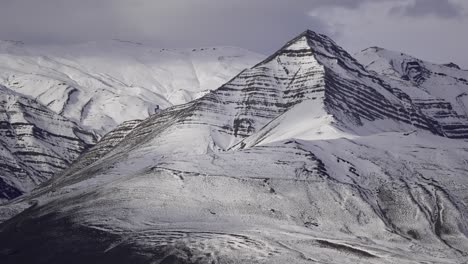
x: 106, y: 144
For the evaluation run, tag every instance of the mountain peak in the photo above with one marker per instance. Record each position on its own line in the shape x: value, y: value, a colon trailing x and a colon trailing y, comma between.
x: 373, y: 49
x: 384, y: 52
x: 310, y: 35
x: 319, y: 46
x: 311, y: 39
x: 375, y: 53
x: 452, y: 65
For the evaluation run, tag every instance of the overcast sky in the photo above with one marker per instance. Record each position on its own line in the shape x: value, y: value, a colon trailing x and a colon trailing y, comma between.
x: 434, y: 30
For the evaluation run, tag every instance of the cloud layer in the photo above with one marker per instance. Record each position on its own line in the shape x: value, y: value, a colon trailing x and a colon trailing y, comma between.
x: 431, y: 29
x: 439, y: 8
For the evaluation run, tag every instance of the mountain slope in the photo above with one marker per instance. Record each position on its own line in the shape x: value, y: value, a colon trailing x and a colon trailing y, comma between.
x: 99, y: 85
x: 440, y: 91
x: 35, y: 143
x: 305, y: 158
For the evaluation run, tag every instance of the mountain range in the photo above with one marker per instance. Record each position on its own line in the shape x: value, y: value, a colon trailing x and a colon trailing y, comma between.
x: 310, y: 156
x: 59, y: 100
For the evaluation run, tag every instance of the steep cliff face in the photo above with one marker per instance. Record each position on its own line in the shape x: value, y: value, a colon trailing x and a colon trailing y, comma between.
x: 35, y: 143
x: 307, y: 157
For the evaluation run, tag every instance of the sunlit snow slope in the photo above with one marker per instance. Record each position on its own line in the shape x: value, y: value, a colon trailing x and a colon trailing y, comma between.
x: 307, y: 157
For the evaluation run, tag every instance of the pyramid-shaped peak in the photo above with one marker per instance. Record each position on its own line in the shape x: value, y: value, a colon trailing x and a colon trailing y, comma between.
x: 310, y: 43
x: 309, y: 39
x: 312, y: 35
x: 319, y: 44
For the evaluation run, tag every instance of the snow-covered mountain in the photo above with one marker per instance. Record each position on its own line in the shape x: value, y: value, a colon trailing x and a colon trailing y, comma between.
x: 54, y: 95
x: 307, y: 157
x: 99, y: 85
x: 440, y: 91
x: 35, y: 143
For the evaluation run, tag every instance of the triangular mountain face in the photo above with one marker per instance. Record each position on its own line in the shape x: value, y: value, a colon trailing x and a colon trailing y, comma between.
x: 307, y: 157
x: 440, y: 91
x: 310, y: 89
x: 35, y: 143
x: 313, y: 70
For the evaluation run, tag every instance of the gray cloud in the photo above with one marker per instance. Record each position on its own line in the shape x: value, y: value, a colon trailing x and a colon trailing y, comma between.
x: 259, y: 25
x: 352, y: 4
x: 440, y: 8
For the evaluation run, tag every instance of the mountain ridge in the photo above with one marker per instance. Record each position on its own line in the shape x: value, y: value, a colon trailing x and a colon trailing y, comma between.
x: 36, y: 143
x: 440, y: 91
